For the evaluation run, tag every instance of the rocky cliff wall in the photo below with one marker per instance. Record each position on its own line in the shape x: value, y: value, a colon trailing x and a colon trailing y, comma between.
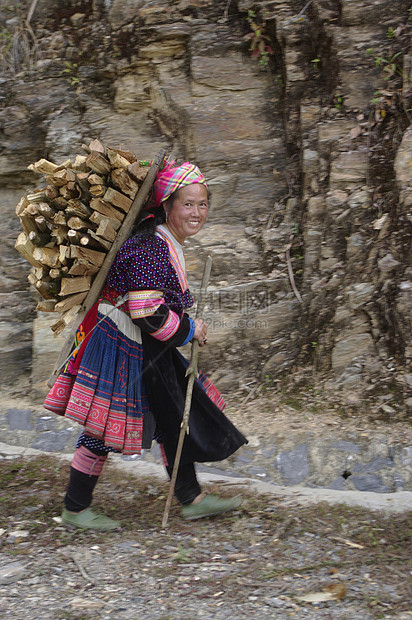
x: 306, y: 144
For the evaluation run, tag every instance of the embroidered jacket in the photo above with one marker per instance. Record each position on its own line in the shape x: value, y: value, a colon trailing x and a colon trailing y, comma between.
x: 150, y: 272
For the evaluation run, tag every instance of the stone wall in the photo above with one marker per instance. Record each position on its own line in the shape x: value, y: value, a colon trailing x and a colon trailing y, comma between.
x: 310, y: 221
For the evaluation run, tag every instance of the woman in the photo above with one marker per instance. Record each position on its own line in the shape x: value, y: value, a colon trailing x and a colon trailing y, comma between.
x: 127, y: 381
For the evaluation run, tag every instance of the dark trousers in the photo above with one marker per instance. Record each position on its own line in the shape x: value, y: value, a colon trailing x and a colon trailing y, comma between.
x: 187, y: 486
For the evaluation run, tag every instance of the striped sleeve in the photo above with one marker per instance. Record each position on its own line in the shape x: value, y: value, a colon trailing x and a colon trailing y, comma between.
x: 148, y: 311
x: 144, y: 303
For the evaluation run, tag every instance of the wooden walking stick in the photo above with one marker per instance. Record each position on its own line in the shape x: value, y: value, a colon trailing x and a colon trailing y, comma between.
x: 191, y: 372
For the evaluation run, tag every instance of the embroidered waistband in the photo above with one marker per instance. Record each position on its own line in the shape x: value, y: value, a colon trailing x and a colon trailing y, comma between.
x: 122, y: 320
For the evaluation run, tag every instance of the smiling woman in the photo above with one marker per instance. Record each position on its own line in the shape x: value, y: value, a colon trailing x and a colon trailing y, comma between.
x: 186, y: 211
x: 126, y: 384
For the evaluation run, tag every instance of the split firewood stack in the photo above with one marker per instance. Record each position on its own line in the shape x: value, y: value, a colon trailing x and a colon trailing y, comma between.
x: 70, y: 224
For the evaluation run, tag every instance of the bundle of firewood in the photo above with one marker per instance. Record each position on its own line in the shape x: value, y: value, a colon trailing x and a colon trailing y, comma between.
x: 70, y: 223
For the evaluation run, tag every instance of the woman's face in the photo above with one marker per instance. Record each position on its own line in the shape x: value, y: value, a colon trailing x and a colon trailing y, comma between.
x: 188, y: 212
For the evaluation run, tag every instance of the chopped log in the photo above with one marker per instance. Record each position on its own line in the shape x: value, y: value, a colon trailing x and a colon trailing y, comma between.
x: 81, y: 267
x: 122, y: 179
x: 37, y: 196
x: 64, y: 254
x: 70, y: 190
x: 55, y: 274
x: 47, y: 289
x: 51, y: 192
x: 28, y: 223
x: 78, y: 209
x: 91, y: 240
x: 32, y: 279
x: 59, y: 219
x: 116, y: 160
x: 97, y: 218
x: 106, y: 209
x: 138, y: 172
x: 39, y: 239
x: 32, y: 209
x: 58, y: 179
x: 69, y: 302
x: 96, y: 145
x: 106, y: 230
x: 42, y: 224
x: 126, y: 154
x: 73, y: 236
x: 46, y: 305
x: 40, y: 273
x: 58, y: 274
x: 64, y: 320
x: 69, y: 286
x: 80, y: 163
x: 66, y: 164
x: 77, y: 223
x: 97, y: 190
x: 21, y: 205
x: 97, y: 162
x: 117, y: 199
x: 26, y: 249
x: 93, y: 257
x: 95, y: 179
x: 83, y: 183
x: 47, y: 256
x: 43, y: 166
x: 46, y: 211
x: 59, y: 203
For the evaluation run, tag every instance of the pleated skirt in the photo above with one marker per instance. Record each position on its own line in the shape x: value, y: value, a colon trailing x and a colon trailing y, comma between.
x: 108, y: 396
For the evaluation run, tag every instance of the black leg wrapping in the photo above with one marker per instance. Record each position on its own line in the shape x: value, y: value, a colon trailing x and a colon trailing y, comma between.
x: 187, y: 486
x: 80, y: 490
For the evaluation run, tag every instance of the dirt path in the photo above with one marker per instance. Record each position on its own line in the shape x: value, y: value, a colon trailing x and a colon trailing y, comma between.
x: 261, y: 561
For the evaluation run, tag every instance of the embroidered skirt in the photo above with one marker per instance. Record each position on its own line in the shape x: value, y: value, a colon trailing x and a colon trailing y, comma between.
x: 108, y: 395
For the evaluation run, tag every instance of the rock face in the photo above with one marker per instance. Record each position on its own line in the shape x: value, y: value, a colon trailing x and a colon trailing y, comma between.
x: 309, y: 167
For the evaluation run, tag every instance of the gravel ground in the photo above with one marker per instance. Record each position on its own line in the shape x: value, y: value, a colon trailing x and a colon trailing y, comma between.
x: 260, y: 561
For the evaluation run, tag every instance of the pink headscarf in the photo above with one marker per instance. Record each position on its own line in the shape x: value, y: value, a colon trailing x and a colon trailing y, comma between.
x: 171, y: 178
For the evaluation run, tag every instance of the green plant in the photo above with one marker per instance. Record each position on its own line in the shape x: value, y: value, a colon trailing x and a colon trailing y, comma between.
x: 182, y: 556
x: 390, y: 33
x: 278, y: 79
x: 70, y: 71
x: 259, y: 41
x: 378, y: 97
x: 390, y: 64
x: 338, y: 102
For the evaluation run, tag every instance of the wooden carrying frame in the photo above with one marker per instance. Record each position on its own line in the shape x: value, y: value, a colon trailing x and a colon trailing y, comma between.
x: 96, y: 287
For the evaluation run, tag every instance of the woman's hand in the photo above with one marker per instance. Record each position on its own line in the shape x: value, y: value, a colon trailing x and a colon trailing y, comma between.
x: 200, y: 332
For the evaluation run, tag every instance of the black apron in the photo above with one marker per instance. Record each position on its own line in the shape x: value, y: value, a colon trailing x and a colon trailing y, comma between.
x: 212, y: 437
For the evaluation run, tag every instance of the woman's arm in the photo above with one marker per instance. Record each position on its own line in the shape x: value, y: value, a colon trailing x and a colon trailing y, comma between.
x: 149, y: 311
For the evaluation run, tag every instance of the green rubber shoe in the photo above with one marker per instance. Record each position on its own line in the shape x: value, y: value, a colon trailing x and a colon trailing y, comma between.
x: 89, y: 520
x: 210, y: 506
